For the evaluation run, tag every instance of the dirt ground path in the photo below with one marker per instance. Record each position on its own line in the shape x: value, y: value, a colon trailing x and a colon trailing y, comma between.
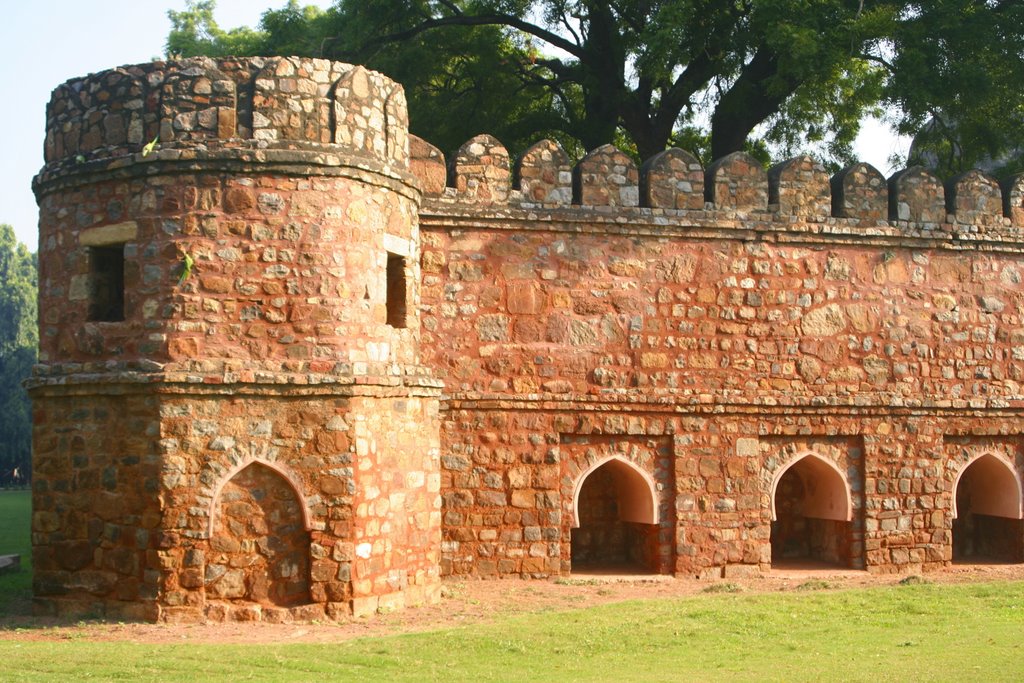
x: 474, y: 602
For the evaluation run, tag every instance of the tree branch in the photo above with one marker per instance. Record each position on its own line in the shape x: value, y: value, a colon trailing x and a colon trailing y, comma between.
x: 497, y: 19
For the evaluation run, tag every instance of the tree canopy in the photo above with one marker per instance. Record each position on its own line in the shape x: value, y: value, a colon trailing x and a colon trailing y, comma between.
x: 716, y: 76
x: 18, y: 341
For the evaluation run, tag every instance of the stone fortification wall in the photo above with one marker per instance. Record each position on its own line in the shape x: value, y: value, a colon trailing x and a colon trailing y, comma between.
x: 252, y: 281
x: 712, y: 327
x: 230, y: 249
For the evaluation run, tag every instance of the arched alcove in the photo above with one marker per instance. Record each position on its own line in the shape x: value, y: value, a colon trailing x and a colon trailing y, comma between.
x: 987, y: 512
x: 615, y: 519
x: 812, y: 513
x: 259, y: 541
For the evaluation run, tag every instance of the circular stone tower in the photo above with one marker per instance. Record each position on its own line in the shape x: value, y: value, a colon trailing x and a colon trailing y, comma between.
x: 231, y: 420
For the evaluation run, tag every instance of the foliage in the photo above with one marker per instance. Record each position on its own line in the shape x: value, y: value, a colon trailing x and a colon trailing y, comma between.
x: 789, y: 74
x: 18, y: 341
x: 958, y: 77
x: 920, y: 633
x: 195, y: 32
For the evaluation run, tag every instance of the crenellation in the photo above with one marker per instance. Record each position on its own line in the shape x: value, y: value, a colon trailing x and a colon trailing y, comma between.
x: 606, y: 177
x: 737, y: 182
x: 427, y: 163
x: 543, y: 174
x: 480, y: 170
x: 290, y: 104
x: 861, y: 192
x: 975, y: 200
x: 800, y: 187
x: 228, y: 103
x: 1013, y: 199
x: 370, y: 116
x: 85, y: 116
x: 396, y: 127
x: 197, y: 103
x: 916, y: 195
x: 673, y: 179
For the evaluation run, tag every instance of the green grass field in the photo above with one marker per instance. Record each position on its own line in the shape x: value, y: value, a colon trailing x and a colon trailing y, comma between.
x: 897, y: 633
x: 15, y: 525
x: 894, y: 633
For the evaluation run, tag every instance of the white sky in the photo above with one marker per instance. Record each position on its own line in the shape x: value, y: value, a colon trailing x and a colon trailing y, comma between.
x: 45, y: 42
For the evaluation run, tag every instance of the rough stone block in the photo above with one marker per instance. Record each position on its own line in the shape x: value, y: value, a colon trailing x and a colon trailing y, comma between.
x: 738, y: 182
x: 975, y: 199
x: 673, y: 179
x: 916, y: 195
x: 606, y: 177
x: 427, y: 163
x: 543, y: 174
x: 860, y: 191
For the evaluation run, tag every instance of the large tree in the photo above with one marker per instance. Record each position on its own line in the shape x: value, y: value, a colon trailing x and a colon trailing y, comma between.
x: 18, y: 341
x: 652, y: 72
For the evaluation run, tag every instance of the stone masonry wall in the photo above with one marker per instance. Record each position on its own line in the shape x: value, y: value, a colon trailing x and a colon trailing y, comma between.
x: 746, y: 334
x: 239, y: 410
x: 96, y: 518
x: 268, y: 283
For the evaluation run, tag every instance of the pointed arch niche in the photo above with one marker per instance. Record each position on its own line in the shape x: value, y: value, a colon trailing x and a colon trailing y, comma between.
x: 987, y: 511
x: 615, y: 518
x: 259, y: 538
x: 812, y: 514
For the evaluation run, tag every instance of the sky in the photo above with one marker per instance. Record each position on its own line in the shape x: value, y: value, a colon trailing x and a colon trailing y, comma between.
x: 46, y: 42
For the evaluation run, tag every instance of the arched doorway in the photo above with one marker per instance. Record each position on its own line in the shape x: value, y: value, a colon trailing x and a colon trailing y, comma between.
x: 987, y: 513
x: 616, y: 520
x: 812, y: 515
x: 259, y: 545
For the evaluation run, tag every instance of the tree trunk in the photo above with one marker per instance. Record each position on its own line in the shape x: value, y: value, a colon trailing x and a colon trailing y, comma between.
x: 756, y: 95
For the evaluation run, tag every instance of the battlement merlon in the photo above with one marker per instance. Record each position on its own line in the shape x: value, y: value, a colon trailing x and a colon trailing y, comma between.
x: 674, y: 190
x: 276, y: 112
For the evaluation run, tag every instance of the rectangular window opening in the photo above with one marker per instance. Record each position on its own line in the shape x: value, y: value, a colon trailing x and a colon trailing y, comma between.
x: 396, y: 303
x: 106, y: 283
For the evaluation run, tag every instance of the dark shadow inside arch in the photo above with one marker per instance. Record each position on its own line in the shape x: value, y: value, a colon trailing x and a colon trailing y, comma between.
x: 988, y: 526
x: 259, y: 549
x: 617, y: 530
x: 812, y: 525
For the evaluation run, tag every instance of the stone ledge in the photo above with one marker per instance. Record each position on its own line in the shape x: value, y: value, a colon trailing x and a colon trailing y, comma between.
x: 126, y: 381
x: 669, y: 402
x: 253, y: 157
x: 714, y: 224
x: 231, y: 370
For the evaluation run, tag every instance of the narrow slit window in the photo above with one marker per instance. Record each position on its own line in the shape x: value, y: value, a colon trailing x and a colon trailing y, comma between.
x: 106, y: 283
x: 396, y: 303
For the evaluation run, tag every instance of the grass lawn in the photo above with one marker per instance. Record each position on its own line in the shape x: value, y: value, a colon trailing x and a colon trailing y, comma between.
x: 897, y: 633
x: 15, y: 525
